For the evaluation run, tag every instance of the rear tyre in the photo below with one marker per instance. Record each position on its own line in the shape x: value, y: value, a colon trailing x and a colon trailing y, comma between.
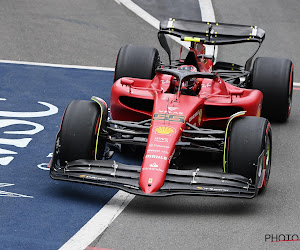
x: 274, y: 78
x: 137, y: 62
x: 79, y: 131
x: 250, y: 148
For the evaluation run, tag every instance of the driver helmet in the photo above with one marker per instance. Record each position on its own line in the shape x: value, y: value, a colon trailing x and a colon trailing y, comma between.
x: 190, y: 84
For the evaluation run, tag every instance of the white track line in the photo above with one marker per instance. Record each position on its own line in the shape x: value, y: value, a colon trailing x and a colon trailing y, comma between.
x: 148, y: 18
x: 208, y: 15
x: 140, y: 12
x: 207, y: 11
x: 57, y: 65
x: 296, y: 84
x: 97, y: 225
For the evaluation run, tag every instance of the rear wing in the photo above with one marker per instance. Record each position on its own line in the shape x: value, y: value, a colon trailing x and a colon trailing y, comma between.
x: 211, y: 33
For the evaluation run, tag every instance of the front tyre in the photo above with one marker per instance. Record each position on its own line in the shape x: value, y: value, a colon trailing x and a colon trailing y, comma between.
x: 79, y: 135
x: 249, y: 149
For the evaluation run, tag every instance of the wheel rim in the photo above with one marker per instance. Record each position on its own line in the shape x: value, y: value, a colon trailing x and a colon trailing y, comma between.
x: 290, y: 99
x: 267, y: 160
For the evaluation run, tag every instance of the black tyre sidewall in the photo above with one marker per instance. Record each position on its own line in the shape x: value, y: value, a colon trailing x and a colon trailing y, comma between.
x: 273, y: 77
x: 246, y: 141
x: 137, y: 62
x: 78, y: 131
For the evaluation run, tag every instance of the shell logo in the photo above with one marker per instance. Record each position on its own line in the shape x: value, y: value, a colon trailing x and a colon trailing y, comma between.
x: 164, y: 130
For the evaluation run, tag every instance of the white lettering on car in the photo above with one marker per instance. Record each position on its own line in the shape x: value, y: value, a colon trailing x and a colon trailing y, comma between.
x: 157, y: 157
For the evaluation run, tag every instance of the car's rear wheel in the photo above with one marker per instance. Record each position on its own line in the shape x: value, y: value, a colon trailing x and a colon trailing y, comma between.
x: 274, y: 78
x: 136, y: 61
x: 79, y: 136
x: 249, y: 149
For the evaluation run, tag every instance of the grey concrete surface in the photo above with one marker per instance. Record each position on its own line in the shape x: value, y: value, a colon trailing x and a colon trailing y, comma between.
x: 222, y: 223
x: 280, y: 20
x: 91, y: 33
x: 171, y: 8
x: 69, y: 32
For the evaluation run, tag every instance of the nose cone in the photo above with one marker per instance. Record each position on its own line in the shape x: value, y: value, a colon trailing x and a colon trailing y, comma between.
x: 150, y: 188
x: 152, y: 175
x: 151, y: 185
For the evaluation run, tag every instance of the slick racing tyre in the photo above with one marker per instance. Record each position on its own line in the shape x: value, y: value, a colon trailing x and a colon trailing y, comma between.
x: 79, y: 131
x: 249, y: 149
x: 274, y: 78
x: 137, y: 62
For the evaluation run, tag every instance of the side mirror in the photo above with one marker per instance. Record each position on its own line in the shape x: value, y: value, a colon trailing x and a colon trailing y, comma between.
x: 127, y: 82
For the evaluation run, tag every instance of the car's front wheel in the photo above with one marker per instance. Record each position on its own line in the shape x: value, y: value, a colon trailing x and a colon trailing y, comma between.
x: 249, y: 149
x: 79, y: 137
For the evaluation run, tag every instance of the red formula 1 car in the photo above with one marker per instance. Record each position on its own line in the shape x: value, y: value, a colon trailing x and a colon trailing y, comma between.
x: 191, y: 104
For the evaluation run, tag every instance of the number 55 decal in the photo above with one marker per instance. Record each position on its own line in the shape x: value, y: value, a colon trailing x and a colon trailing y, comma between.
x: 169, y: 117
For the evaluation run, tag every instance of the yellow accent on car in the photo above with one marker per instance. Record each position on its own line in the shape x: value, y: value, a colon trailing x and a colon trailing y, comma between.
x: 241, y: 113
x: 200, y: 117
x: 258, y: 111
x: 192, y: 39
x: 164, y: 130
x: 98, y: 132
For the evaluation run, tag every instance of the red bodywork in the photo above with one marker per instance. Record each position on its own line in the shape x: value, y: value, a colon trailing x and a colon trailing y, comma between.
x: 132, y: 100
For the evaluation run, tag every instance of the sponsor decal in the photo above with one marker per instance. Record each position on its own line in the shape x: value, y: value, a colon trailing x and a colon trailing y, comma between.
x: 205, y: 85
x: 169, y: 117
x: 213, y: 189
x: 165, y: 81
x: 153, y: 150
x: 158, y: 146
x: 153, y: 169
x: 163, y: 130
x: 153, y: 165
x: 93, y: 177
x: 161, y: 139
x: 171, y: 111
x: 150, y: 181
x: 194, y: 116
x: 156, y: 157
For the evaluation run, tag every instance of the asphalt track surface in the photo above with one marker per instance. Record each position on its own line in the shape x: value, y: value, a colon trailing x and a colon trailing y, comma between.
x: 74, y: 32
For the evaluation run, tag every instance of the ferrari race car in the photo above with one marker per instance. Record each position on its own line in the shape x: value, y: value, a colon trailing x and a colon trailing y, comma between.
x: 192, y: 104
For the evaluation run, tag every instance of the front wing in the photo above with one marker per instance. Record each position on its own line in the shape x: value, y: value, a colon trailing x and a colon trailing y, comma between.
x: 109, y: 173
